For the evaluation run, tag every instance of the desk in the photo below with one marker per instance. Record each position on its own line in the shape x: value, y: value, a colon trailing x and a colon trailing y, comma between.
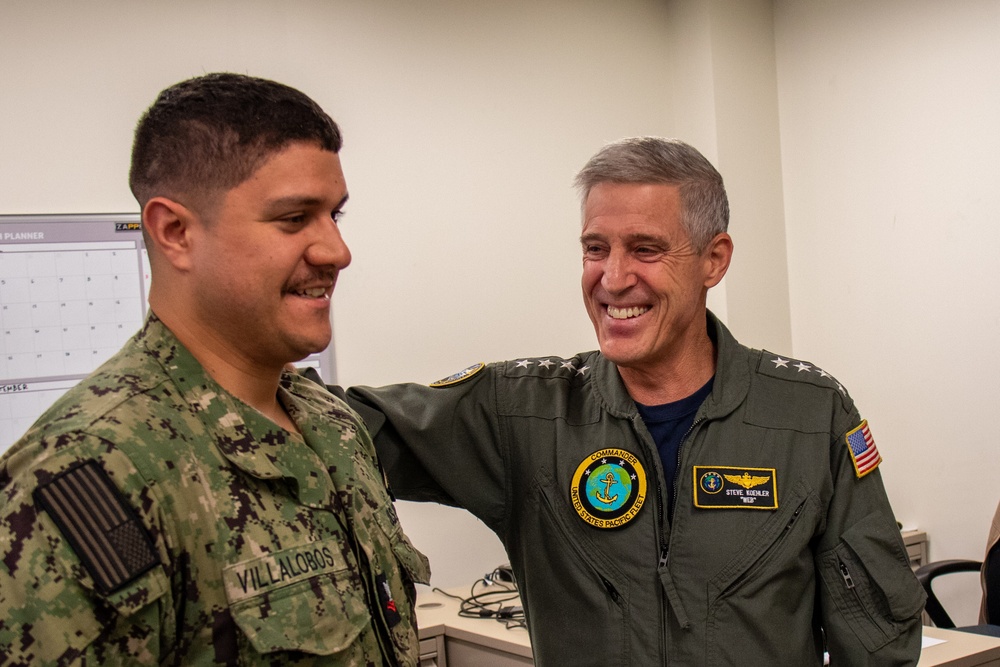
x: 961, y: 649
x: 448, y: 640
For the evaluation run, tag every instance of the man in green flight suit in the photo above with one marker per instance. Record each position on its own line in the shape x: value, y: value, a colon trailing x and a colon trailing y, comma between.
x: 676, y: 497
x: 192, y: 502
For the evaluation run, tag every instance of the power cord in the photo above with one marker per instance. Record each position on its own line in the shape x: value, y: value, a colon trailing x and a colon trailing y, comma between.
x: 500, y: 602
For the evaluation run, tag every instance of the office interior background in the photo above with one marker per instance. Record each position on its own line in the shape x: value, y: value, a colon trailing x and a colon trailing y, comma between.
x: 858, y: 139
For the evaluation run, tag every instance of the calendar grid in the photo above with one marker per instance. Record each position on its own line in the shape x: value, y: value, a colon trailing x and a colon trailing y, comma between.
x: 73, y: 289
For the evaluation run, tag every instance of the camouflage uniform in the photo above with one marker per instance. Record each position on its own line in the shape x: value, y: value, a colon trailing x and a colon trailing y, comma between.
x: 149, y: 517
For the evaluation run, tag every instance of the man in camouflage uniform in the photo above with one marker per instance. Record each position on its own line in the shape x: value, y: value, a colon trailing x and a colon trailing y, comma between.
x: 191, y: 502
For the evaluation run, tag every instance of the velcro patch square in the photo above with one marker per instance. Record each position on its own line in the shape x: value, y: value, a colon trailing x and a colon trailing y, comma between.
x: 99, y: 524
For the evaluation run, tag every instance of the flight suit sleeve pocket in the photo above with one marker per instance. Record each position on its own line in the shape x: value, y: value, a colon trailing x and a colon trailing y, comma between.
x: 870, y: 582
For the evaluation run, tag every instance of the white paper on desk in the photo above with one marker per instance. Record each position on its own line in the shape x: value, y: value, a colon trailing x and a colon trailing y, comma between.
x: 925, y: 641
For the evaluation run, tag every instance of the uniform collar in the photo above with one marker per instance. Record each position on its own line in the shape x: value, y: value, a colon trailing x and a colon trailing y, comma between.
x: 732, y: 377
x: 242, y: 435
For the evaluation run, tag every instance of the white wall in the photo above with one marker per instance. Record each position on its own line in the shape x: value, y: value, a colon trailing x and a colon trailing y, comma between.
x: 723, y: 82
x: 890, y: 147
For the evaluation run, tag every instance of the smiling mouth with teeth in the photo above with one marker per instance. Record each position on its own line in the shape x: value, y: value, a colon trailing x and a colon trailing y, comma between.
x: 626, y: 313
x: 313, y: 293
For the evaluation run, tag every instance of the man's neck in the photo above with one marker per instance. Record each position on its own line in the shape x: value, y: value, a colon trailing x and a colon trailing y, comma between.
x: 254, y: 385
x: 673, y: 380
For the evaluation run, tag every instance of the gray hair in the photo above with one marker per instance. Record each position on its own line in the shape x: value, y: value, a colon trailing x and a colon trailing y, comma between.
x: 658, y: 160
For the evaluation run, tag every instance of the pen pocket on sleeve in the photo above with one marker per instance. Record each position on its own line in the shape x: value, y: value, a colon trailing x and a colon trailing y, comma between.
x: 869, y: 581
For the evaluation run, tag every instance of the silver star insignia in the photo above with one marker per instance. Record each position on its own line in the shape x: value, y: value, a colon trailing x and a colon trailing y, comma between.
x: 582, y: 370
x: 568, y: 365
x: 780, y: 363
x: 545, y: 363
x: 523, y: 363
x: 802, y: 367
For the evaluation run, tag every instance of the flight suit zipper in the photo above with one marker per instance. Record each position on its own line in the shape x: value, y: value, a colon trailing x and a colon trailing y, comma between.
x: 845, y: 574
x: 677, y: 467
x: 662, y: 556
x: 659, y: 490
x: 761, y: 560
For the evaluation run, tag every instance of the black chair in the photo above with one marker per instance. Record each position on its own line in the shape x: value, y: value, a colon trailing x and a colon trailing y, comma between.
x: 991, y: 594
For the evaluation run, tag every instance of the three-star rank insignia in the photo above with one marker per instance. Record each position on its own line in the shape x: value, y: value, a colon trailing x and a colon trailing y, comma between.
x: 459, y: 377
x: 726, y: 487
x: 608, y: 488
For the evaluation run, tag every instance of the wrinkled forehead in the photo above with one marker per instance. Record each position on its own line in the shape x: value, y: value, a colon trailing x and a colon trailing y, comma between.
x: 612, y: 202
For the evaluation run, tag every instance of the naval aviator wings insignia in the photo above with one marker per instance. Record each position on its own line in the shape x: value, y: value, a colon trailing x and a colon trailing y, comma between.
x: 728, y: 487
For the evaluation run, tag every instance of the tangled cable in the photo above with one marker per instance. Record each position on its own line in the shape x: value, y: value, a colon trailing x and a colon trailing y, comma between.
x: 499, y: 602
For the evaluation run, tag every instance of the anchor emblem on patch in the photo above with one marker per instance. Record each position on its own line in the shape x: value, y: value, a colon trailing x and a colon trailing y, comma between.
x: 608, y: 488
x: 608, y: 481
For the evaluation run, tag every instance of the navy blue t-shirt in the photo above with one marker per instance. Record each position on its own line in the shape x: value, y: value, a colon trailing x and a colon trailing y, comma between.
x: 668, y: 424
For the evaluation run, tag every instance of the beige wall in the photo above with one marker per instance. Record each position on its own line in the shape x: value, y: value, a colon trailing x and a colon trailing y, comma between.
x: 890, y: 145
x: 861, y: 136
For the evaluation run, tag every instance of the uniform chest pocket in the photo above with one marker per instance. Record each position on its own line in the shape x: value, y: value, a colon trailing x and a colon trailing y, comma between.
x: 303, y: 599
x: 760, y: 559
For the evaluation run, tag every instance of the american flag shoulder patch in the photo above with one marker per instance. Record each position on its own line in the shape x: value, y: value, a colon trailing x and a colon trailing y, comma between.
x: 864, y: 453
x: 99, y: 524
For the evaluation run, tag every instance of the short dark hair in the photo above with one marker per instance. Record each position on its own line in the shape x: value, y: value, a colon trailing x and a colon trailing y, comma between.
x: 210, y: 133
x: 670, y: 161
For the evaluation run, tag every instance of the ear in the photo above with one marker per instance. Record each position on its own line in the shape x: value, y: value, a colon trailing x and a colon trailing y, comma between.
x: 169, y: 226
x: 717, y: 255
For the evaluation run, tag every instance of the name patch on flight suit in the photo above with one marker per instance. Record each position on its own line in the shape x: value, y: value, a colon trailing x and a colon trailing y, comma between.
x: 723, y: 487
x: 609, y: 488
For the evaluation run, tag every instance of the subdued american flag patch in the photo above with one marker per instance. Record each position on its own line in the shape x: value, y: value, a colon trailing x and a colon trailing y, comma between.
x: 99, y: 524
x: 864, y: 453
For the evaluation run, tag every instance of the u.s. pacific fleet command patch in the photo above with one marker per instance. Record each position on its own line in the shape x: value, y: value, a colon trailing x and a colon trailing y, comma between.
x: 609, y: 488
x: 726, y: 487
x: 460, y: 376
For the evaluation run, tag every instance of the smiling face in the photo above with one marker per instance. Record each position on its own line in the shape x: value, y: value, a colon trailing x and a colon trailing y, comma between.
x: 265, y: 262
x: 644, y: 284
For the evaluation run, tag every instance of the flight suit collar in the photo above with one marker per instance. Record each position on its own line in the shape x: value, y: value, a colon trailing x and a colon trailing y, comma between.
x: 732, y: 377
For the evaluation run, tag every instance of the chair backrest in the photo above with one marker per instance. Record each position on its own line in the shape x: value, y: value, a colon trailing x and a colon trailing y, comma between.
x: 991, y: 590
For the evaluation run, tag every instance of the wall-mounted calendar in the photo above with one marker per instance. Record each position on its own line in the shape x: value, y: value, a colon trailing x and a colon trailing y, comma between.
x: 73, y: 289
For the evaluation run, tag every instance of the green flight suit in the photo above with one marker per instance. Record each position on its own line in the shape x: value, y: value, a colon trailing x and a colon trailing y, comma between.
x: 149, y: 517
x: 776, y: 548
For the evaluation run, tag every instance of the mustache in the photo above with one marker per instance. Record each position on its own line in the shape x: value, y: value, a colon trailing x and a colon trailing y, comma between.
x: 312, y: 278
